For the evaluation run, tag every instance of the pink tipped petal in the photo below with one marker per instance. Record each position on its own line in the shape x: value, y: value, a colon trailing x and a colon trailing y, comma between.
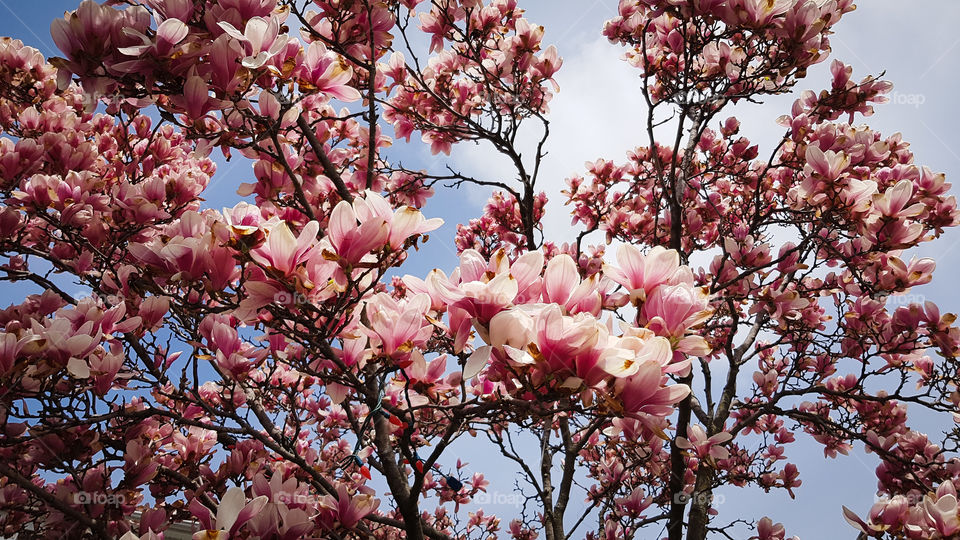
x: 344, y: 93
x: 660, y: 265
x: 527, y: 267
x: 252, y: 508
x: 203, y: 514
x: 560, y: 279
x: 231, y: 30
x: 405, y: 223
x: 172, y: 31
x: 854, y: 520
x: 817, y: 160
x: 342, y: 221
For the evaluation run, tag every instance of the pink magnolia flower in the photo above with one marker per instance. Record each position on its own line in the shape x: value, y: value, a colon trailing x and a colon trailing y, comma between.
x: 105, y: 369
x: 325, y: 71
x: 261, y: 37
x: 890, y: 512
x: 403, y: 223
x: 278, y: 516
x: 633, y: 505
x: 379, y: 225
x: 882, y: 517
x: 232, y: 513
x: 11, y: 347
x: 270, y: 107
x: 223, y: 54
x: 399, y: 326
x: 828, y: 164
x: 139, y: 467
x: 573, y: 344
x: 429, y: 374
x: 169, y: 33
x: 624, y: 356
x: 942, y: 510
x: 645, y: 391
x: 196, y: 100
x: 514, y: 327
x: 472, y: 288
x: 526, y: 270
x: 858, y: 194
x: 510, y: 334
x: 562, y: 285
x: 243, y: 219
x: 641, y: 274
x: 673, y: 309
x: 350, y: 241
x: 195, y: 444
x: 66, y: 345
x: 768, y: 530
x: 477, y: 290
x: 893, y: 202
x: 346, y: 509
x: 548, y: 64
x: 754, y: 13
x: 704, y: 446
x: 283, y: 250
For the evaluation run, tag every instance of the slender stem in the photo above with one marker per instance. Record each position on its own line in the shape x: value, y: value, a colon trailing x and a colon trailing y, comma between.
x: 328, y: 167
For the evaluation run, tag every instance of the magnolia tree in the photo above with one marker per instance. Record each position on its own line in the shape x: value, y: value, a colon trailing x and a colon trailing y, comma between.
x: 263, y: 372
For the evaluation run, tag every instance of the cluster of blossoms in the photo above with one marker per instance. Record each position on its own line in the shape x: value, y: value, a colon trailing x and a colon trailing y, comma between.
x: 543, y: 333
x: 257, y: 266
x: 500, y: 226
x: 740, y: 47
x: 493, y: 69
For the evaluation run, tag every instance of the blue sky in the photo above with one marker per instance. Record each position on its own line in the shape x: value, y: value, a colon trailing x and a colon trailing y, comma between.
x: 598, y: 113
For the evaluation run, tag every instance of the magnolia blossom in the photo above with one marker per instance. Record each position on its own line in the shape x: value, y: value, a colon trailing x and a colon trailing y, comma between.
x: 379, y: 225
x: 346, y: 509
x: 704, y: 446
x: 323, y: 70
x: 673, y: 309
x: 640, y: 274
x: 283, y: 250
x: 398, y: 327
x: 261, y: 37
x: 232, y: 513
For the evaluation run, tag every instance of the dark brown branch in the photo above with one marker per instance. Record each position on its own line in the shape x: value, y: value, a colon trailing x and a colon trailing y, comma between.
x: 328, y: 168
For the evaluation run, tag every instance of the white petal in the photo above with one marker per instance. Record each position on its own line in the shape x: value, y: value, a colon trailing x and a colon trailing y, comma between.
x: 231, y: 30
x: 477, y: 361
x: 230, y: 505
x: 78, y: 368
x: 254, y: 62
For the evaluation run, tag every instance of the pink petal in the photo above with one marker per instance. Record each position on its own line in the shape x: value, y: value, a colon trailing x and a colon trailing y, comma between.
x: 560, y: 278
x: 172, y: 31
x: 251, y: 509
